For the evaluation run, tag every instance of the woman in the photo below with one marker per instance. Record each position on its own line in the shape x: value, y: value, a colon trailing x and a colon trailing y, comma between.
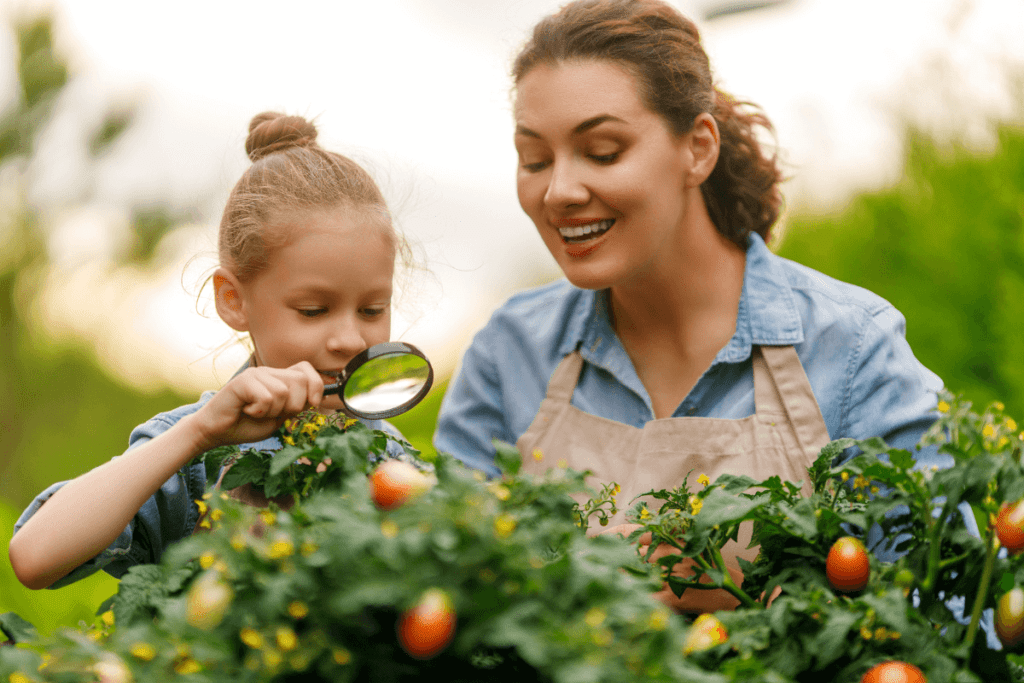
x: 679, y: 342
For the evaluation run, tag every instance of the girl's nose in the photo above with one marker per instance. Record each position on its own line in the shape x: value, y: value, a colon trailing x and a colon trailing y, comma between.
x: 346, y: 337
x: 565, y: 186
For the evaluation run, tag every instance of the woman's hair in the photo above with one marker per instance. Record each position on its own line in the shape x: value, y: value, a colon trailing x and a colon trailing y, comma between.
x: 663, y: 51
x: 290, y: 172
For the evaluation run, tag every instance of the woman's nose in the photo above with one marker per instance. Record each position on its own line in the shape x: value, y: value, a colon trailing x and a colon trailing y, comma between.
x: 565, y: 185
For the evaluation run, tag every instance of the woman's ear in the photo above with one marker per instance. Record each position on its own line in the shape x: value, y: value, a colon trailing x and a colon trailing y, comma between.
x: 228, y: 295
x: 704, y: 142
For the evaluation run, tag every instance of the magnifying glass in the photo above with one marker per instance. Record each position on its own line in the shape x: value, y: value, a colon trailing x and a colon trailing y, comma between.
x: 383, y: 381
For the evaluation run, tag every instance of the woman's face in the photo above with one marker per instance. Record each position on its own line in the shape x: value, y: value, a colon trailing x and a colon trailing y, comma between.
x: 602, y: 176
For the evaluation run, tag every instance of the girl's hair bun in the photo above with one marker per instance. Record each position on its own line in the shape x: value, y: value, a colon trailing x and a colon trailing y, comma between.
x: 271, y: 132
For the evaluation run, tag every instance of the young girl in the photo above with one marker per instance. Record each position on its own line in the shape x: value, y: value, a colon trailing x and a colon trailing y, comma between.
x: 307, y: 253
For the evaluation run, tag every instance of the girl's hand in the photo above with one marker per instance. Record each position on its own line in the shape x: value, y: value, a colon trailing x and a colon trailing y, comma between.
x: 255, y: 403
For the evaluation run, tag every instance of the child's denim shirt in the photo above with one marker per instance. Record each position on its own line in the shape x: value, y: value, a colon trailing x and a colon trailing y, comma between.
x: 171, y: 513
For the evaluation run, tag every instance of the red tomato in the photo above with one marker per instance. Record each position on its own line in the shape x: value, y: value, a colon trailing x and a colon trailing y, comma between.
x: 1010, y: 526
x: 428, y: 627
x: 1010, y: 618
x: 705, y: 632
x: 894, y: 672
x: 847, y: 566
x: 394, y: 482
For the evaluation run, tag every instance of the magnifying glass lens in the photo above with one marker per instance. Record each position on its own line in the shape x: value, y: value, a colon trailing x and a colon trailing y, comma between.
x: 386, y: 382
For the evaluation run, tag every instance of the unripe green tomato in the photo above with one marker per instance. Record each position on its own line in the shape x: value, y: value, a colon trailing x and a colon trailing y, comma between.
x: 847, y: 566
x: 1010, y: 618
x: 904, y: 578
x: 208, y: 601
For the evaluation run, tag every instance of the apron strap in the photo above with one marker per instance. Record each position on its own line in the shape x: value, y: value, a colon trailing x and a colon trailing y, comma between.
x: 563, y: 380
x: 796, y: 396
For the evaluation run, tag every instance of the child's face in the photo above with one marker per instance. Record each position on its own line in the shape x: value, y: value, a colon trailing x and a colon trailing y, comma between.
x: 326, y: 294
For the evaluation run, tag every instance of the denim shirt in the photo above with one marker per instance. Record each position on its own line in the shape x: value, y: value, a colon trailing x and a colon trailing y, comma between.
x: 850, y: 342
x: 171, y: 513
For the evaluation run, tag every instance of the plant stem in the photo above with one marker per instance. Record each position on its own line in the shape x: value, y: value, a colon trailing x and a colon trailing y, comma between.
x: 979, y: 600
x: 727, y: 582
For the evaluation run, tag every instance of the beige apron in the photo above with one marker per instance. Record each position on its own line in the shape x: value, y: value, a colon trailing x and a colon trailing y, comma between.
x: 782, y: 438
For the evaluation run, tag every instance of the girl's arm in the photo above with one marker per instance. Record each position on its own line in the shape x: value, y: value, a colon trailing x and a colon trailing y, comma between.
x: 87, y: 514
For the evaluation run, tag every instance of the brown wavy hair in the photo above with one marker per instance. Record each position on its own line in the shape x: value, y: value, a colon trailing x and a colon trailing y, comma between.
x: 662, y: 49
x: 290, y: 172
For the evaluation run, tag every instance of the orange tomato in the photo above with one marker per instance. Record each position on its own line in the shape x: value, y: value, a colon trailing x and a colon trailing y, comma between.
x: 847, y: 566
x: 428, y: 627
x: 1010, y: 618
x: 1010, y: 526
x: 394, y: 482
x: 894, y: 672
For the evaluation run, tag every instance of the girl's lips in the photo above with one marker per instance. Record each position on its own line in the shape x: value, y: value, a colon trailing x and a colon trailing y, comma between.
x: 574, y: 230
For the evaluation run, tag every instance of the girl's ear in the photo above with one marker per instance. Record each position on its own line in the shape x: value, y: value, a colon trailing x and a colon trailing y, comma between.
x: 228, y: 295
x: 703, y: 146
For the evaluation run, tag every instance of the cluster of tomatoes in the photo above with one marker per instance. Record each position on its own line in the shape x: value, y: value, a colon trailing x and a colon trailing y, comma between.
x: 426, y: 628
x: 1010, y: 607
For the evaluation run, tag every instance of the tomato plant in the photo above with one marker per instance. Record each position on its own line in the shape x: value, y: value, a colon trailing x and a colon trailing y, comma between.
x: 705, y: 632
x: 427, y: 627
x: 847, y: 566
x: 894, y: 672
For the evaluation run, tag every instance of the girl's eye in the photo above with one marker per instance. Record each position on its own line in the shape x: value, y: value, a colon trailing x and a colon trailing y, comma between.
x: 605, y: 158
x: 374, y: 312
x: 311, y: 312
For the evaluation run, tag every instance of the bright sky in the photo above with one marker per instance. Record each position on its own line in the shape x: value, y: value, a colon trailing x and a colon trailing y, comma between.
x: 418, y: 91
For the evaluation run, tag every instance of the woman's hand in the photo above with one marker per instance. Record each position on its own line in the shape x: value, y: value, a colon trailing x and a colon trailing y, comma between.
x: 255, y: 403
x: 693, y: 601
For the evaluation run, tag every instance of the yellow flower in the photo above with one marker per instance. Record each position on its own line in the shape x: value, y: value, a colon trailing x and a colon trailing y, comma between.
x: 881, y: 633
x: 187, y: 666
x: 205, y: 524
x: 616, y: 490
x: 308, y: 548
x: 845, y: 476
x: 286, y: 638
x: 201, y: 504
x: 658, y: 620
x: 988, y: 431
x: 251, y: 637
x: 143, y: 651
x: 500, y: 492
x: 341, y: 656
x: 238, y: 542
x: 268, y: 517
x: 18, y: 677
x: 999, y: 406
x: 272, y: 658
x: 703, y: 480
x: 595, y: 617
x: 291, y: 423
x: 865, y: 633
x: 943, y: 407
x: 310, y: 429
x: 1011, y: 424
x: 695, y: 504
x: 860, y: 482
x: 280, y: 549
x: 562, y: 463
x: 645, y: 514
x: 297, y: 610
x: 874, y: 490
x: 288, y: 440
x: 504, y: 525
x: 388, y: 528
x: 537, y: 455
x: 108, y: 618
x: 320, y: 419
x: 207, y: 559
x: 216, y: 515
x: 1003, y: 441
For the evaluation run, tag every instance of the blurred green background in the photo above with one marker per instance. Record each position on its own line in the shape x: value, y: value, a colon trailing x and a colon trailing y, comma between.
x: 945, y: 245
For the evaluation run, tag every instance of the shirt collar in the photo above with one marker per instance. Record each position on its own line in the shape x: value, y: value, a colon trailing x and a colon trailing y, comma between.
x: 767, y: 314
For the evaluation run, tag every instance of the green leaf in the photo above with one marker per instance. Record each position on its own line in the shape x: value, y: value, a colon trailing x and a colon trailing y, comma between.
x: 285, y: 457
x: 17, y: 629
x: 507, y: 457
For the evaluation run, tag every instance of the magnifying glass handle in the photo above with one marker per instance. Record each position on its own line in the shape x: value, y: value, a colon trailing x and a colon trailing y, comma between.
x: 332, y: 388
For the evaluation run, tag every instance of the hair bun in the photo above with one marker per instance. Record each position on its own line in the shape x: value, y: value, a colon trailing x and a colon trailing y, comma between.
x: 271, y: 132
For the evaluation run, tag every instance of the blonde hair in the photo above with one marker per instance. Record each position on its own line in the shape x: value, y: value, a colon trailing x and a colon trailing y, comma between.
x: 290, y: 172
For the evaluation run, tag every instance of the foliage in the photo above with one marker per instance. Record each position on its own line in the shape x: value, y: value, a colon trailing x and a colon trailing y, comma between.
x: 946, y: 247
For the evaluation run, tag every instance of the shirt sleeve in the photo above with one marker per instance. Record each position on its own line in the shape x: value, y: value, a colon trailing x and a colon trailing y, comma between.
x: 169, y: 515
x: 472, y: 413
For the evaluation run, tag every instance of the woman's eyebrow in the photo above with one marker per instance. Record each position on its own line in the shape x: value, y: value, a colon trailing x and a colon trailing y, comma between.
x: 578, y: 130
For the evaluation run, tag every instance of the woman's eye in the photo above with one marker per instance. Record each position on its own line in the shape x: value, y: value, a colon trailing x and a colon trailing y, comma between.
x: 605, y: 158
x: 311, y: 312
